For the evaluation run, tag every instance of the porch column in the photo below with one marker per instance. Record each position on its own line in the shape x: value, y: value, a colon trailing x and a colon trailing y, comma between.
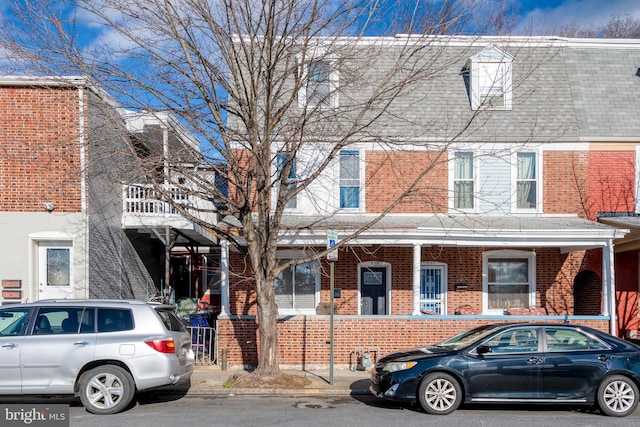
x: 417, y: 250
x: 609, y: 286
x: 224, y: 278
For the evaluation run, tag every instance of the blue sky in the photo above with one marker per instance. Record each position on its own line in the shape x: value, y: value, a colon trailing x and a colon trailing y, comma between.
x: 543, y: 15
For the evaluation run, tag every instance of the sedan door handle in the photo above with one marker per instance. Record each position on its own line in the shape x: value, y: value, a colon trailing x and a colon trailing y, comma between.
x: 603, y: 357
x: 81, y: 343
x: 534, y: 360
x: 9, y: 345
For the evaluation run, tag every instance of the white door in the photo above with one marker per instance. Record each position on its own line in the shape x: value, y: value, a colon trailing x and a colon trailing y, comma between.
x: 55, y: 270
x: 433, y: 289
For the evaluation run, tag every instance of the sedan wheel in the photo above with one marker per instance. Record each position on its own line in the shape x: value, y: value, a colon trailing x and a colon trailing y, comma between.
x: 106, y: 389
x: 618, y: 396
x: 440, y: 394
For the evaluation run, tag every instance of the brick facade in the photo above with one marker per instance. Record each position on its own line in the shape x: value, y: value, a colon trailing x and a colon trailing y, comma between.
x: 611, y: 182
x: 40, y: 149
x: 304, y: 340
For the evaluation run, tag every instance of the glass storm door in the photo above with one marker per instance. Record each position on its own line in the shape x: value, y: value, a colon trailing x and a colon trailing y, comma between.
x: 55, y: 276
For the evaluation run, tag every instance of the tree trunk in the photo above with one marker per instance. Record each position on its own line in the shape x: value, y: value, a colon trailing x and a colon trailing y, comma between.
x: 268, y: 363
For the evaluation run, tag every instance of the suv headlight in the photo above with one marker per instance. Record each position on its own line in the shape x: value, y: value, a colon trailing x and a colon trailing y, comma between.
x: 399, y: 366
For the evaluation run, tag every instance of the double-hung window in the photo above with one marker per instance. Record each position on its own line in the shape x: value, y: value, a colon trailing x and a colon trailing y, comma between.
x: 463, y: 181
x: 319, y: 85
x: 509, y: 280
x: 526, y: 181
x: 492, y: 75
x: 287, y: 183
x: 349, y: 179
x: 295, y: 288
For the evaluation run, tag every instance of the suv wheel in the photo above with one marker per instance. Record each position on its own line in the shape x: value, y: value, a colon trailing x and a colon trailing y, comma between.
x: 107, y: 389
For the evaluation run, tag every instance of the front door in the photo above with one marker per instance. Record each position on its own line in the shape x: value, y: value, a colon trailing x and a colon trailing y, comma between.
x: 373, y: 291
x: 55, y: 276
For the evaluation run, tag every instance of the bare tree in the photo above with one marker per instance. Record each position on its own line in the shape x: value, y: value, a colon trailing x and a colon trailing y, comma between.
x: 247, y: 77
x: 618, y: 27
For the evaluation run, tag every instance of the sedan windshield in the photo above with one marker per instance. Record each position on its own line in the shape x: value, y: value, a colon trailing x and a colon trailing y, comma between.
x: 467, y: 338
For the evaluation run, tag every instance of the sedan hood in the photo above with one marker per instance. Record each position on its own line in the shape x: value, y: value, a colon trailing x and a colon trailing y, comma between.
x: 413, y: 354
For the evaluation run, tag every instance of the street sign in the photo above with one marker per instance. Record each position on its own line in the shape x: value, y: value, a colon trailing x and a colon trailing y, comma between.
x: 332, y: 238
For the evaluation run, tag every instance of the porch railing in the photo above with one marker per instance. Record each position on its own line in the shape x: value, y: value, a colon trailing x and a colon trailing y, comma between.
x: 204, y: 343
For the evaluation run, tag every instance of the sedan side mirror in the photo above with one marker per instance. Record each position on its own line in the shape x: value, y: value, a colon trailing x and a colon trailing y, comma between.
x: 483, y: 349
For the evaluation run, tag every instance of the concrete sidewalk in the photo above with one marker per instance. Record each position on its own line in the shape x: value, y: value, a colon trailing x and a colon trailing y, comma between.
x: 211, y: 380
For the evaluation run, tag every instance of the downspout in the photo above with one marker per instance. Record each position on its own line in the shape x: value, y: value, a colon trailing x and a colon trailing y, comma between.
x: 83, y: 191
x: 417, y: 250
x: 610, y: 257
x: 224, y: 278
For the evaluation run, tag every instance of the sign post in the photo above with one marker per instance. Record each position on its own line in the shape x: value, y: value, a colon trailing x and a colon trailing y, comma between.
x: 332, y: 257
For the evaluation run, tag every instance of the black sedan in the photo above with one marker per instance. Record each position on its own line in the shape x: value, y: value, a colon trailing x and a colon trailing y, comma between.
x: 517, y: 363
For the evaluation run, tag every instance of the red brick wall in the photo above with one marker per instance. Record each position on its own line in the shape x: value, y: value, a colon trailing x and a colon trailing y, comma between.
x: 611, y: 182
x: 40, y: 156
x: 390, y: 173
x: 304, y: 340
x: 554, y: 278
x: 565, y: 182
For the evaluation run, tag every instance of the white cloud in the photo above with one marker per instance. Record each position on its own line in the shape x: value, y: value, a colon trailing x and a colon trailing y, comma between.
x: 580, y: 12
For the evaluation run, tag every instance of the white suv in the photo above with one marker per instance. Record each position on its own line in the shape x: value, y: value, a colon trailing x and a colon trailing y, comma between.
x: 103, y: 351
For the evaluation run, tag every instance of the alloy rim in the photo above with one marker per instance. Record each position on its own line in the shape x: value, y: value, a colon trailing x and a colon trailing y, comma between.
x: 105, y: 390
x: 619, y: 396
x: 440, y: 394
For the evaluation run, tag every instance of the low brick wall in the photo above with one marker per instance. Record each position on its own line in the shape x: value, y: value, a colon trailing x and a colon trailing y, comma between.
x: 304, y: 340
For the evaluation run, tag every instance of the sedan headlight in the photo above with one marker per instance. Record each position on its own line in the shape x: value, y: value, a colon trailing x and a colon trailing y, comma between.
x: 399, y: 366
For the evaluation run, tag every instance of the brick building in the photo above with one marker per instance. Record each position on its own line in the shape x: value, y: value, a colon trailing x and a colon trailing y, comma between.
x: 81, y: 219
x: 527, y: 216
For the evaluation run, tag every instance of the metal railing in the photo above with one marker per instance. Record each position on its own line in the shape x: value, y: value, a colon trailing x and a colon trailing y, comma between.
x: 204, y: 343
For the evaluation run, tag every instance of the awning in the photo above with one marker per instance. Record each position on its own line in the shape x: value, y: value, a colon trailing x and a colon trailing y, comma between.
x: 566, y: 232
x: 630, y: 241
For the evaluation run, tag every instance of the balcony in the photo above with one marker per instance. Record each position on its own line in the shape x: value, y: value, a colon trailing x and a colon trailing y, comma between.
x: 146, y: 209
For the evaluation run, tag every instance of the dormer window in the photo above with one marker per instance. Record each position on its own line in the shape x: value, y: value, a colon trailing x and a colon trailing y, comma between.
x: 490, y: 79
x: 320, y: 85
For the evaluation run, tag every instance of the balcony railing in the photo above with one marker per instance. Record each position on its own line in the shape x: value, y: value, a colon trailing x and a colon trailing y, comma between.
x: 146, y: 200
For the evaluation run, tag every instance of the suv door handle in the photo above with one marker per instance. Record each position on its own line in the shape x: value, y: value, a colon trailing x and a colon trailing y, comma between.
x: 9, y: 345
x: 82, y: 343
x: 534, y: 360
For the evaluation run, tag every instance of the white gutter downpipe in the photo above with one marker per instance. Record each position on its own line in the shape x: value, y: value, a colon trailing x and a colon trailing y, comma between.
x: 417, y: 250
x: 224, y: 277
x: 608, y: 260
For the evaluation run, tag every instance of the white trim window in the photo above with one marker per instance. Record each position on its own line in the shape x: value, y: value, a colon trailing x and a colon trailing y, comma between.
x: 297, y: 289
x: 508, y: 280
x: 463, y: 181
x: 490, y: 79
x: 319, y: 86
x: 290, y: 181
x: 350, y: 180
x: 526, y: 182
